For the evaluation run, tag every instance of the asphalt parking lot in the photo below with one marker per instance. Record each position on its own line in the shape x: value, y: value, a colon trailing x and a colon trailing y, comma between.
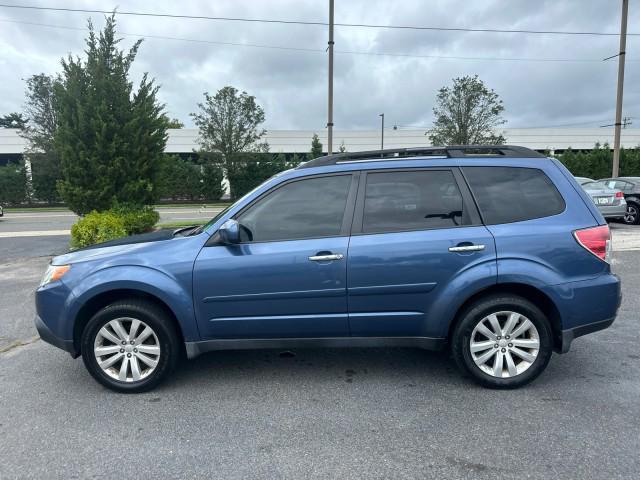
x: 380, y: 413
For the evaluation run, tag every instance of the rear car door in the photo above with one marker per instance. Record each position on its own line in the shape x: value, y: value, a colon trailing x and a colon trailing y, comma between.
x: 414, y: 231
x: 288, y: 276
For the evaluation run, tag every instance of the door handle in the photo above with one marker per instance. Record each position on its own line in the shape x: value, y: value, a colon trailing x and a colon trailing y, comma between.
x: 327, y: 257
x: 467, y: 248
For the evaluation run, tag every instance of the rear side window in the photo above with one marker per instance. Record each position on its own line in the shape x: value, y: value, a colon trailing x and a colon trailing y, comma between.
x: 511, y: 194
x: 411, y: 200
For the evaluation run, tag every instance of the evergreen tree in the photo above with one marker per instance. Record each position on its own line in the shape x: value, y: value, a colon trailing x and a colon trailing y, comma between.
x: 109, y: 137
x: 316, y: 147
x: 13, y: 120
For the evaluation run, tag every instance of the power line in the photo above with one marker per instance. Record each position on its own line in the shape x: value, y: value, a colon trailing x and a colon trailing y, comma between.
x: 314, y: 23
x: 319, y: 50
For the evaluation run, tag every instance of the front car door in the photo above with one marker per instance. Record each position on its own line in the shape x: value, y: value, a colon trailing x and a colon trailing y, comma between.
x: 287, y: 279
x: 414, y: 232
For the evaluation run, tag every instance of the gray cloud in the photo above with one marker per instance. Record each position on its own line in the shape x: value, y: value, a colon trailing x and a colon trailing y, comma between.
x: 291, y: 85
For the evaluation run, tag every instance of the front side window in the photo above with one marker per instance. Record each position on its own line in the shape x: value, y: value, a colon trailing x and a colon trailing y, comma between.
x: 309, y: 208
x: 411, y: 200
x: 513, y: 194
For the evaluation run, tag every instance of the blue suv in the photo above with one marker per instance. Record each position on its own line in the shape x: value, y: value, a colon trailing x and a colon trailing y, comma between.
x: 494, y: 252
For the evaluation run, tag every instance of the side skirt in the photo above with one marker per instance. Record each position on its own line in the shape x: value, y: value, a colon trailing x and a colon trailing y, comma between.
x: 196, y: 348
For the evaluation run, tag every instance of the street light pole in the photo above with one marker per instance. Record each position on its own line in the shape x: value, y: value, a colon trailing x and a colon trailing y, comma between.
x: 382, y: 132
x: 330, y: 109
x: 621, y: 57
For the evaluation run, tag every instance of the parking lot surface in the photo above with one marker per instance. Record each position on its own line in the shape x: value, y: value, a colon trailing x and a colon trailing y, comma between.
x: 353, y: 413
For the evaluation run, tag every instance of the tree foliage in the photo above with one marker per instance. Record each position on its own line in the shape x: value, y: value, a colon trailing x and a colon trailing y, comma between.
x: 13, y: 120
x: 467, y: 113
x: 174, y: 123
x: 597, y: 163
x: 109, y: 137
x: 179, y: 179
x: 13, y: 184
x: 229, y: 123
x: 39, y: 132
x: 316, y: 147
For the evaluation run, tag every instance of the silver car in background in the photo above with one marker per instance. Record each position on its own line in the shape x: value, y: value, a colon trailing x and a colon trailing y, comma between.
x: 609, y: 201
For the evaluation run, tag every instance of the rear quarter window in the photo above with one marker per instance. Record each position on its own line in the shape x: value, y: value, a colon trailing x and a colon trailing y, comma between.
x: 513, y: 194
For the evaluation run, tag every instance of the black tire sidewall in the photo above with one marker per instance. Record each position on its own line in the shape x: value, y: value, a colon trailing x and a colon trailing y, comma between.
x: 479, y: 310
x: 152, y: 316
x: 637, y: 208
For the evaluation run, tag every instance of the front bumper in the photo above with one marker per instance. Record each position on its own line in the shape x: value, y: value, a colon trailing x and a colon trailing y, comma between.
x: 48, y: 336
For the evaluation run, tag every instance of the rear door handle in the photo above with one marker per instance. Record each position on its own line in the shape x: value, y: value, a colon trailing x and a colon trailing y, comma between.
x: 326, y: 258
x: 467, y: 248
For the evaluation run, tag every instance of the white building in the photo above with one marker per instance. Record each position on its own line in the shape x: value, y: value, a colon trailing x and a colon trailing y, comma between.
x: 184, y: 141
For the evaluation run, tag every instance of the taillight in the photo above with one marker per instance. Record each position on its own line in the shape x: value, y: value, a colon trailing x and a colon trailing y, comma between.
x: 597, y: 240
x: 619, y: 195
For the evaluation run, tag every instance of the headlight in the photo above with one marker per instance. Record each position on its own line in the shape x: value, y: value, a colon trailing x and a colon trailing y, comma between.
x: 53, y: 273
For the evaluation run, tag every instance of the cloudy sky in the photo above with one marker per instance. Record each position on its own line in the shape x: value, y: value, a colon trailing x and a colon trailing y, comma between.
x: 291, y: 84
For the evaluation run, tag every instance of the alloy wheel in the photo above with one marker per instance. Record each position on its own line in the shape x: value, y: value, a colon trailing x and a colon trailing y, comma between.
x: 504, y: 344
x: 631, y: 215
x: 127, y: 349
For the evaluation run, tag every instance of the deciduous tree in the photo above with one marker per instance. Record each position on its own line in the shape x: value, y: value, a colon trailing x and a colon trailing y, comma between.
x: 467, y: 113
x: 230, y: 123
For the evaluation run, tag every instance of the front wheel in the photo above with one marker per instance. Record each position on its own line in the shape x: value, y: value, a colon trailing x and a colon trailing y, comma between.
x: 130, y: 346
x: 502, y: 341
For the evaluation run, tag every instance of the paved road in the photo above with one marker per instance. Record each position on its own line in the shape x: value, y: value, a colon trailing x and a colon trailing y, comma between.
x: 382, y: 413
x: 61, y: 220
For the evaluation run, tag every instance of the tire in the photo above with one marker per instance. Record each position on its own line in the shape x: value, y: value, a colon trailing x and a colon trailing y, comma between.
x: 514, y: 370
x: 161, y: 346
x: 632, y: 216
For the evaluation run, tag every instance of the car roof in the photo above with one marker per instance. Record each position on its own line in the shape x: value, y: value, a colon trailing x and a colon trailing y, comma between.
x: 424, y: 153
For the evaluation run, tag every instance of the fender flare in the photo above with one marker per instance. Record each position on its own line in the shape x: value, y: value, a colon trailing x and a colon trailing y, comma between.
x: 144, y: 279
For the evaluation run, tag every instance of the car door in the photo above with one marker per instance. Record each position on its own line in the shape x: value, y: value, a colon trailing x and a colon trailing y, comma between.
x: 287, y: 279
x: 414, y: 232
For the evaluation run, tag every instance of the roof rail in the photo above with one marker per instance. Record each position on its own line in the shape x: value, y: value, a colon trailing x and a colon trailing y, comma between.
x: 452, y: 151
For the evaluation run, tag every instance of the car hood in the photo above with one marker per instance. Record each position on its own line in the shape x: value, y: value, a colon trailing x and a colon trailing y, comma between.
x: 113, y: 247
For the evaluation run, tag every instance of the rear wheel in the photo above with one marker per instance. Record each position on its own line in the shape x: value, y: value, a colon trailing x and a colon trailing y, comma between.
x: 130, y: 346
x: 503, y: 341
x: 632, y: 217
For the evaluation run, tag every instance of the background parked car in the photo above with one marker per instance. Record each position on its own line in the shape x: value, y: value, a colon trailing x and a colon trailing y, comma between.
x: 1, y: 211
x: 609, y: 201
x: 630, y: 187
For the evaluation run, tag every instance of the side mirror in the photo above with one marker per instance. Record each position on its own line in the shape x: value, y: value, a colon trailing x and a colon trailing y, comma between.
x: 229, y: 232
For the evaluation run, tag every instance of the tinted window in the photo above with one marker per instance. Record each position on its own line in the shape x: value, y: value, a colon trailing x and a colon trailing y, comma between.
x: 509, y: 194
x: 303, y: 209
x: 414, y: 200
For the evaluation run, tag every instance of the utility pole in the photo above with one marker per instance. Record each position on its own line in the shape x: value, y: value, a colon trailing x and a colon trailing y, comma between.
x: 382, y: 132
x: 330, y: 109
x: 621, y: 57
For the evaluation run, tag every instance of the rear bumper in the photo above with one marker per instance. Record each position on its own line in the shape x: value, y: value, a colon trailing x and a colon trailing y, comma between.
x: 48, y: 336
x: 613, y: 211
x: 567, y: 336
x: 585, y: 306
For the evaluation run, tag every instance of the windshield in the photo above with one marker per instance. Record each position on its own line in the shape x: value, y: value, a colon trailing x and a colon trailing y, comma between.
x: 201, y: 228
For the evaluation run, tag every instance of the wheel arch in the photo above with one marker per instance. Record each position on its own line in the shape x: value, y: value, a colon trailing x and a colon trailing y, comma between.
x: 528, y: 292
x: 102, y: 299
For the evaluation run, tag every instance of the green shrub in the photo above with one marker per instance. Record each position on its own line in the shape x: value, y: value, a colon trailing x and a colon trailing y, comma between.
x: 13, y: 184
x: 97, y: 227
x: 136, y: 219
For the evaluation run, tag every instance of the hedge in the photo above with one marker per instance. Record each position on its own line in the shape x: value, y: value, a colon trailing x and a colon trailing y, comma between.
x: 597, y: 162
x: 120, y: 221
